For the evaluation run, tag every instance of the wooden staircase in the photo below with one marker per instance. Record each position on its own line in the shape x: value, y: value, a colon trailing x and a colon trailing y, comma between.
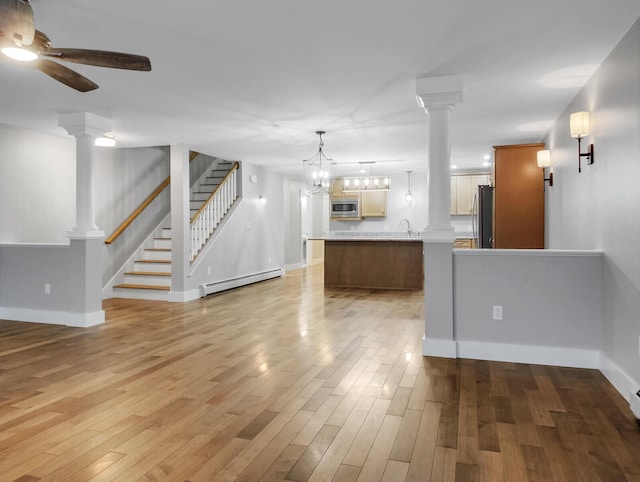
x: 150, y: 277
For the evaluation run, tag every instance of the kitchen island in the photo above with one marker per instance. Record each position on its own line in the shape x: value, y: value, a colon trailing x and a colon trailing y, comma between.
x: 373, y: 262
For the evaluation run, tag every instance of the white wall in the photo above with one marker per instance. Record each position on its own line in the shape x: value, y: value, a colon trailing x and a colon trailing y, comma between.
x: 252, y: 239
x: 598, y: 209
x: 297, y: 221
x: 37, y: 186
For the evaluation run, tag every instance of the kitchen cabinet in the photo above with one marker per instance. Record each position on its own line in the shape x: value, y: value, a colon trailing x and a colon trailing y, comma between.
x: 336, y: 191
x: 464, y: 243
x: 373, y: 204
x: 518, y: 210
x: 374, y: 264
x: 463, y: 190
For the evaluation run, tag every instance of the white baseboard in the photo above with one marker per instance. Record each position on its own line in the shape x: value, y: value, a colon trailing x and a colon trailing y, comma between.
x: 619, y: 379
x: 439, y: 348
x: 183, y: 296
x: 78, y: 320
x: 537, y: 355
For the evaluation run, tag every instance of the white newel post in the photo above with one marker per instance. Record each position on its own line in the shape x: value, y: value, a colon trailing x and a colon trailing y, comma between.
x: 86, y: 240
x: 439, y: 97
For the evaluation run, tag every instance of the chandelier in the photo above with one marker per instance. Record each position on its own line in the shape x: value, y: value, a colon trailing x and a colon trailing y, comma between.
x: 319, y: 171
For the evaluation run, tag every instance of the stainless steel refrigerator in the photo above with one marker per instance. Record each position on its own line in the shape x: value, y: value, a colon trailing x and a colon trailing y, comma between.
x: 482, y: 217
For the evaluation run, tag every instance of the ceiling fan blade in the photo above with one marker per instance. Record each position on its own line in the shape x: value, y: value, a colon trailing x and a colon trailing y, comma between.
x: 101, y: 58
x: 65, y: 75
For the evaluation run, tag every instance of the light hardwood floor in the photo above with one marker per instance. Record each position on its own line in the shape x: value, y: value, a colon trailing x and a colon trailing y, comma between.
x: 284, y: 380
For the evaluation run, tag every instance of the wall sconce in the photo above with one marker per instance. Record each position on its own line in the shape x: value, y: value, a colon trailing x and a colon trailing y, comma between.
x: 544, y: 160
x: 262, y: 200
x: 580, y: 127
x: 409, y: 196
x: 107, y: 140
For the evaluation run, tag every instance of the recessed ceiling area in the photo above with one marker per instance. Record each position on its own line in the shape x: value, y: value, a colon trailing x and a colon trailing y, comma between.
x: 254, y: 80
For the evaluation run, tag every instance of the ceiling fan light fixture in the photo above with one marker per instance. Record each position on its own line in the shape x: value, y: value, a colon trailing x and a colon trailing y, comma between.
x: 19, y: 53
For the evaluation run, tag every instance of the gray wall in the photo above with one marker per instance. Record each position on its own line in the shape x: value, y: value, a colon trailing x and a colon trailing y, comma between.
x: 124, y: 179
x: 549, y: 299
x: 24, y: 270
x: 598, y: 209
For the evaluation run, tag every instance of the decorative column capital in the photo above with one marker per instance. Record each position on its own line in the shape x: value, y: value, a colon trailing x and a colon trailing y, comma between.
x: 80, y: 124
x: 442, y: 92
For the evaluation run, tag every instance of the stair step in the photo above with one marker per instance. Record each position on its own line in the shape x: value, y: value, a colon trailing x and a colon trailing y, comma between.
x: 158, y: 254
x: 163, y: 261
x: 132, y: 286
x: 148, y: 273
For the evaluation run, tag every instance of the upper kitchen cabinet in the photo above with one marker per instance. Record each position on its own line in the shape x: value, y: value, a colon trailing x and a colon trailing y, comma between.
x: 463, y: 189
x: 373, y: 204
x: 518, y: 198
x: 336, y: 190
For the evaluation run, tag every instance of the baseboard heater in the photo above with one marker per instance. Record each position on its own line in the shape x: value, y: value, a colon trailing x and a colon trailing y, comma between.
x: 217, y: 286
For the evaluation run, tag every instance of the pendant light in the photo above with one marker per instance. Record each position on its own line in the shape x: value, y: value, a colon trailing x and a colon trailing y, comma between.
x: 409, y: 196
x: 319, y: 171
x: 366, y: 183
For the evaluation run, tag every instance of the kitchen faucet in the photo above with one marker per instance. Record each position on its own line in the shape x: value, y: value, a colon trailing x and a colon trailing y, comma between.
x: 408, y: 225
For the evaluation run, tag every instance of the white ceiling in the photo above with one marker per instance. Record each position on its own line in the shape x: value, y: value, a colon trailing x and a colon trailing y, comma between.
x: 252, y: 80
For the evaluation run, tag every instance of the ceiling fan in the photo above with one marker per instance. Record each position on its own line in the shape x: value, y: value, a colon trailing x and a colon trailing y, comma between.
x: 21, y: 41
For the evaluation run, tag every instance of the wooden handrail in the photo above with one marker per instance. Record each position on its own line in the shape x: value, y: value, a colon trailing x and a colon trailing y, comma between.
x: 156, y: 192
x: 215, y: 191
x: 125, y: 224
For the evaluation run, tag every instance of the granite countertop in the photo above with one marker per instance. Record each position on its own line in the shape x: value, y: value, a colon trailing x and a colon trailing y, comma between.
x: 382, y: 236
x: 371, y: 236
x: 380, y: 239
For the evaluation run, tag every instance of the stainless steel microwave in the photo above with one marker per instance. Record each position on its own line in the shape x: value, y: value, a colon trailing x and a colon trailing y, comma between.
x: 345, y: 208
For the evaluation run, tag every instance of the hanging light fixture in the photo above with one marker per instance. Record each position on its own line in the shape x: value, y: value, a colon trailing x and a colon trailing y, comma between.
x: 319, y: 171
x: 366, y: 183
x: 409, y: 196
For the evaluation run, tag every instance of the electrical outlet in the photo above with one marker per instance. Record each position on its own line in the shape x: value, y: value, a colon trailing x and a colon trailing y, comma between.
x: 497, y: 312
x: 47, y: 289
x: 208, y: 269
x: 269, y: 261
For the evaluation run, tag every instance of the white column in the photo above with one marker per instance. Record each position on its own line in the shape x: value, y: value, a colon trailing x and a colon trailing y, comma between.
x: 85, y: 127
x: 180, y: 228
x: 439, y: 96
x: 439, y: 173
x: 86, y: 239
